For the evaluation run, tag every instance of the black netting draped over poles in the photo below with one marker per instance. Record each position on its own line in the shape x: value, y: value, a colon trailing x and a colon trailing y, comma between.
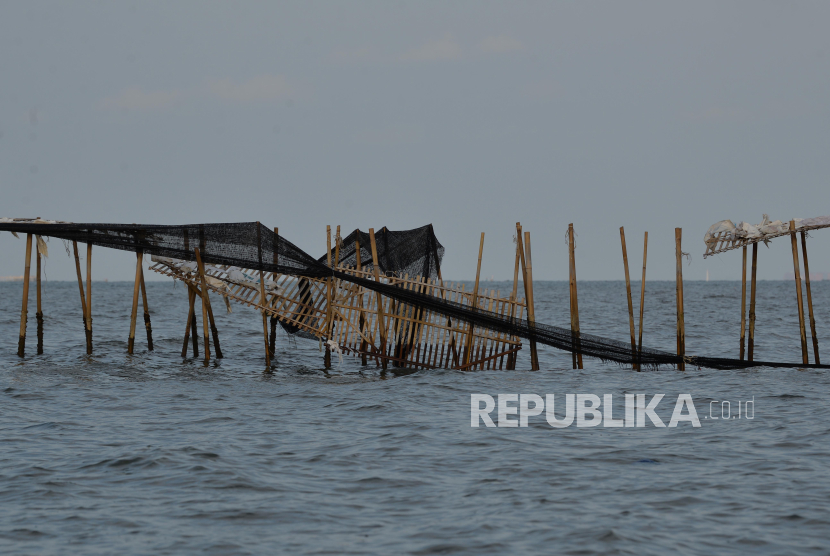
x: 253, y: 246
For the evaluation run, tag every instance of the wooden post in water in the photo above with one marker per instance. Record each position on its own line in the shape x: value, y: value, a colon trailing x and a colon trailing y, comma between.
x: 531, y: 309
x: 381, y: 321
x: 89, y: 297
x: 191, y: 323
x: 262, y: 297
x: 642, y: 303
x: 361, y: 322
x: 327, y: 355
x: 511, y: 359
x: 576, y: 356
x: 681, y: 325
x: 469, y: 346
x: 205, y: 331
x: 801, y: 327
x: 809, y: 298
x: 272, y: 341
x: 83, y: 299
x: 628, y: 295
x: 750, y: 352
x: 148, y: 327
x: 24, y: 312
x: 139, y: 261
x: 743, y: 303
x: 39, y: 313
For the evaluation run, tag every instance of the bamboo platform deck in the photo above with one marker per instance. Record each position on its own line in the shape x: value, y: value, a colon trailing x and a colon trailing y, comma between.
x: 723, y: 242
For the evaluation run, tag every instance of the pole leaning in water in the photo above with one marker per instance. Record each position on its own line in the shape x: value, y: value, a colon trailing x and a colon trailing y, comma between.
x: 628, y: 296
x: 576, y: 357
x: 809, y: 297
x: 473, y: 304
x: 796, y: 270
x: 139, y: 261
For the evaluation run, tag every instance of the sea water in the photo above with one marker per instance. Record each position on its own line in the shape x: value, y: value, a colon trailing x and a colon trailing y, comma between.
x: 153, y: 453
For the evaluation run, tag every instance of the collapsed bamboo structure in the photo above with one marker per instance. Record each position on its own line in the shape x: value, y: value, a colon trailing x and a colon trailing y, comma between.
x: 362, y: 323
x: 399, y: 312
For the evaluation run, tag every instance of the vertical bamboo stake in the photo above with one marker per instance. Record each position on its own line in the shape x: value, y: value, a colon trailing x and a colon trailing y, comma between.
x: 751, y: 340
x: 642, y: 302
x: 190, y: 321
x: 809, y: 298
x: 272, y: 347
x: 743, y: 303
x: 511, y: 359
x: 474, y: 304
x: 801, y: 327
x: 381, y: 322
x: 148, y: 327
x: 531, y: 313
x: 24, y: 312
x: 577, y: 356
x: 681, y: 327
x: 361, y: 323
x: 83, y: 300
x: 194, y: 327
x: 628, y: 296
x: 139, y: 261
x: 327, y: 356
x: 262, y: 297
x: 89, y: 297
x: 205, y: 331
x: 526, y: 285
x: 39, y: 313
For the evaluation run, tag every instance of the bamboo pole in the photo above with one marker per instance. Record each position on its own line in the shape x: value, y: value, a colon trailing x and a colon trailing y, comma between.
x: 743, y: 302
x: 381, y: 322
x: 801, y: 327
x: 628, y: 296
x: 527, y: 287
x: 139, y: 261
x: 263, y: 298
x: 809, y: 298
x: 751, y: 340
x: 474, y: 303
x: 39, y: 313
x: 327, y: 355
x: 511, y: 359
x: 272, y: 341
x: 148, y: 327
x: 577, y: 356
x: 642, y: 301
x: 361, y: 323
x: 83, y: 298
x: 205, y: 331
x: 681, y: 328
x: 534, y: 354
x: 89, y: 297
x: 190, y: 324
x: 24, y: 312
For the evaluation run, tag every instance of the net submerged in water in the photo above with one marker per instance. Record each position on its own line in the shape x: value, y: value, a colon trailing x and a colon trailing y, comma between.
x: 250, y: 245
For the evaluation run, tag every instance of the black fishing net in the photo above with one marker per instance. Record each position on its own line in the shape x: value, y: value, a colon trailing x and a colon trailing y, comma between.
x: 414, y: 252
x: 252, y: 245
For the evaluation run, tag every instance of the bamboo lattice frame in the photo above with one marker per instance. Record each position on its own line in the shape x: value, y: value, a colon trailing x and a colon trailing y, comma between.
x: 415, y: 338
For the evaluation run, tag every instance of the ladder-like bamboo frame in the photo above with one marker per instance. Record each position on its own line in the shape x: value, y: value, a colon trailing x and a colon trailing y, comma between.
x: 416, y: 337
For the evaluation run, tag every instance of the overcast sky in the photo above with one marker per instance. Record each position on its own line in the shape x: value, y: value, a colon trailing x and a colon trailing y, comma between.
x: 468, y: 115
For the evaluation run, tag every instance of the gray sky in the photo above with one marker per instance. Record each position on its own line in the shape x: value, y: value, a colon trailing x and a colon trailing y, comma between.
x: 469, y: 115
